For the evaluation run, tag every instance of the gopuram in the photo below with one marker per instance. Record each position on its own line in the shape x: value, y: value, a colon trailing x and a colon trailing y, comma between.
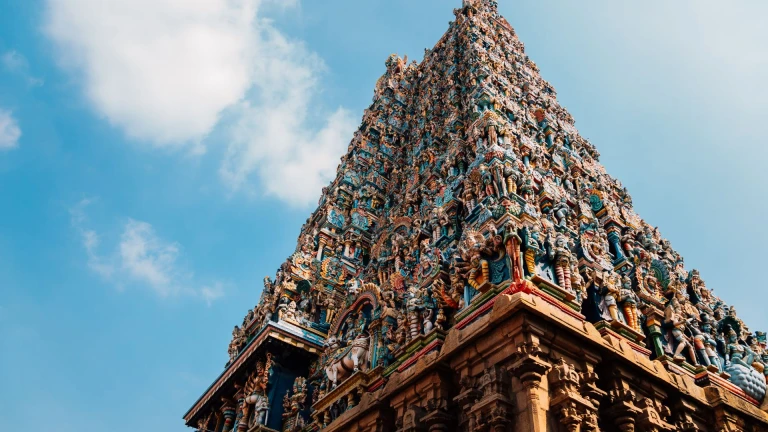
x: 472, y: 267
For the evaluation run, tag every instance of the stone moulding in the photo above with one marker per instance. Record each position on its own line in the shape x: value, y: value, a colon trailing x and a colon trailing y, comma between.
x: 579, y: 334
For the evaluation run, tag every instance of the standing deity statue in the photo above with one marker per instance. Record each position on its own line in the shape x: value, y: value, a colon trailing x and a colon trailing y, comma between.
x: 628, y: 300
x: 562, y: 259
x: 677, y: 326
x: 511, y: 180
x: 611, y: 291
x: 561, y: 211
x: 479, y: 272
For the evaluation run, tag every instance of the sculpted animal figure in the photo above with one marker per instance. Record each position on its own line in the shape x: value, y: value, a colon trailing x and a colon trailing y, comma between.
x: 344, y: 361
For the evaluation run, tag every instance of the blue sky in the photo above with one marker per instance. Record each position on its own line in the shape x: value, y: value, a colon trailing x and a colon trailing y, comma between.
x: 157, y: 159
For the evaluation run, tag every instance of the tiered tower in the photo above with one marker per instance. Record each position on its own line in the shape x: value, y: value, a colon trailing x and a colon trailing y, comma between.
x: 473, y: 267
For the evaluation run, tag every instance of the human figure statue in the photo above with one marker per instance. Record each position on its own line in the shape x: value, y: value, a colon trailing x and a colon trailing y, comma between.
x: 611, y: 292
x: 562, y: 260
x: 628, y: 301
x: 677, y: 324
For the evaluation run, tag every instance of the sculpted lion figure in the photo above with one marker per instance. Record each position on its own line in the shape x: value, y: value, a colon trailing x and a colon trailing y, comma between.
x: 344, y: 361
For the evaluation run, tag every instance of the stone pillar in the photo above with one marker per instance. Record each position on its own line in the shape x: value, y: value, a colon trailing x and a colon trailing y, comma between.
x: 229, y: 412
x: 219, y: 422
x: 243, y: 416
x: 590, y: 391
x: 725, y: 419
x: 468, y: 396
x: 568, y: 405
x: 493, y: 410
x: 622, y: 410
x: 533, y: 402
x: 654, y: 318
x: 322, y: 242
x: 683, y: 419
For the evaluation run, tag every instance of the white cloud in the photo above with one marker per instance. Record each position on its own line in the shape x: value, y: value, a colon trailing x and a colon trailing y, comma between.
x: 16, y: 63
x: 161, y: 70
x: 149, y: 259
x: 167, y: 71
x: 212, y: 292
x: 89, y: 238
x: 140, y: 257
x: 270, y: 138
x: 9, y: 131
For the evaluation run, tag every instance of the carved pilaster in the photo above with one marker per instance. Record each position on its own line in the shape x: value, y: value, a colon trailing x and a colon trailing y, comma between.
x: 725, y: 420
x: 439, y: 418
x: 530, y: 367
x: 573, y: 410
x: 622, y: 411
x: 465, y: 400
x: 412, y: 420
x: 493, y: 410
x: 651, y: 417
x: 592, y: 393
x: 683, y: 419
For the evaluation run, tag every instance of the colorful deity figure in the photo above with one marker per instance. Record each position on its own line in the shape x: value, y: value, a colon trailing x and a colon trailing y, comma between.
x: 488, y: 183
x: 677, y: 326
x: 511, y: 178
x: 351, y: 328
x: 578, y: 284
x: 330, y: 308
x: 479, y: 272
x: 401, y: 332
x: 707, y: 337
x: 740, y: 364
x: 628, y: 300
x: 562, y: 260
x: 290, y: 313
x: 256, y: 391
x: 611, y: 291
x: 562, y: 211
x: 526, y: 188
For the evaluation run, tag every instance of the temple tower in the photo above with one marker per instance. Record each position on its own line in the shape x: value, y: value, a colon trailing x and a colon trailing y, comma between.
x: 473, y: 267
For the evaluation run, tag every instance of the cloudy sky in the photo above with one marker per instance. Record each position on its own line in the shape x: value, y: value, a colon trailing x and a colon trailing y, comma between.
x: 157, y: 158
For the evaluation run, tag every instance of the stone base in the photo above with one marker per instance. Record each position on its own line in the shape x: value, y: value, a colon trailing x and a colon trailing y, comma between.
x: 621, y: 329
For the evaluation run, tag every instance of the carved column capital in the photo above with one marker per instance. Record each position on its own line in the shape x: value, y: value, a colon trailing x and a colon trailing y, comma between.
x: 439, y: 418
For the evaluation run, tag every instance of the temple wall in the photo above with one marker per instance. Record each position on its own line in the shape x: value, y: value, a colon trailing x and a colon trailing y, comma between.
x: 527, y: 366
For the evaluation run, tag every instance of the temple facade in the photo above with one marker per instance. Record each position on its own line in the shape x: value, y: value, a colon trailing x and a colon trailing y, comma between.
x: 473, y: 267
